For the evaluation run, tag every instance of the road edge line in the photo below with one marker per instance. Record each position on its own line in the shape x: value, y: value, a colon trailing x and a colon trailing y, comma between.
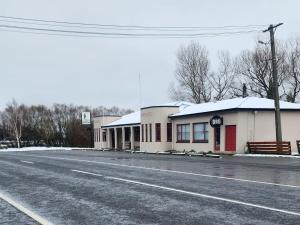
x: 24, y: 210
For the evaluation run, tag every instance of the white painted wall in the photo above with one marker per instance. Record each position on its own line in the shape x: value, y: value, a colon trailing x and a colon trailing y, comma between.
x: 152, y: 116
x: 98, y: 122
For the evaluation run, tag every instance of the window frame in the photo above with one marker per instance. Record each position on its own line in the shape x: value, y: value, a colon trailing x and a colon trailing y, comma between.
x: 205, y: 132
x: 104, y: 136
x: 150, y: 132
x: 181, y: 132
x: 158, y: 132
x: 142, y: 133
x: 146, y: 132
x: 169, y: 132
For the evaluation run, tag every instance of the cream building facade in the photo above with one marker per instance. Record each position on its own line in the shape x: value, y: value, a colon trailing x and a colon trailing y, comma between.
x: 185, y: 127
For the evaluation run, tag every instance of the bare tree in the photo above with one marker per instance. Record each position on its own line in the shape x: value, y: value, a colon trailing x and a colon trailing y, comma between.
x: 293, y: 76
x: 192, y: 74
x: 255, y: 69
x: 14, y: 116
x: 221, y: 81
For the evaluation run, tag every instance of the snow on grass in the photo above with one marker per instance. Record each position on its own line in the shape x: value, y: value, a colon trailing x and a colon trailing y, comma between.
x: 27, y: 149
x: 294, y: 156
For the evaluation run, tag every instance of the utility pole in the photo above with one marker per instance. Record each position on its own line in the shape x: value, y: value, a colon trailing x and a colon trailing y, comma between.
x: 275, y: 82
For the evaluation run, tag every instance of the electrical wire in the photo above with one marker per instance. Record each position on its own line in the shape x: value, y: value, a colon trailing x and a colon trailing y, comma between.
x: 95, y: 25
x: 123, y: 34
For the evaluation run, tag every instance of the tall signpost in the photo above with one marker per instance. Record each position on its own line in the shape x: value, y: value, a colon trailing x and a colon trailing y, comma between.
x: 275, y: 82
x: 86, y: 120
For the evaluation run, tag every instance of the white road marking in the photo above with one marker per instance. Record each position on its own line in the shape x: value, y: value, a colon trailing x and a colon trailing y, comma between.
x: 94, y: 174
x: 172, y: 171
x: 26, y: 162
x: 24, y: 210
x: 195, y: 194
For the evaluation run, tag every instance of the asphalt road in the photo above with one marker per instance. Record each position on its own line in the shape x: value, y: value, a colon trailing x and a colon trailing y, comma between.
x: 83, y: 187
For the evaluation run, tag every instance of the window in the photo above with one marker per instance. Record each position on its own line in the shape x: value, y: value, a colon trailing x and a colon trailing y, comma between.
x: 104, y: 136
x: 146, y: 125
x: 183, y: 133
x: 142, y: 132
x: 95, y: 135
x: 150, y: 132
x: 136, y: 131
x: 157, y: 132
x: 200, y: 132
x: 127, y: 133
x: 169, y: 132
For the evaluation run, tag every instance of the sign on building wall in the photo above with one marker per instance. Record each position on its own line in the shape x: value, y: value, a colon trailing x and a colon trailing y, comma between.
x: 86, y: 118
x: 216, y: 121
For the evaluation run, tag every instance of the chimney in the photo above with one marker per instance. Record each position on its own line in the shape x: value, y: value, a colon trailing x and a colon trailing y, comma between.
x: 245, y: 94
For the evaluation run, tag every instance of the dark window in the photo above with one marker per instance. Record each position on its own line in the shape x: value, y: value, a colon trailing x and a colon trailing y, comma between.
x: 183, y: 133
x: 157, y: 132
x: 104, y: 136
x: 200, y: 132
x: 150, y: 132
x: 127, y: 133
x: 169, y: 132
x: 136, y: 131
x: 146, y: 125
x: 142, y: 132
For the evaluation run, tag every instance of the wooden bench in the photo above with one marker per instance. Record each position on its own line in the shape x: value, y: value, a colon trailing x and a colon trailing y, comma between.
x: 298, y: 146
x: 270, y: 147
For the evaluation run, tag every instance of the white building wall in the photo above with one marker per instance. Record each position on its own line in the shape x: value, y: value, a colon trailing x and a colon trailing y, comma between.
x: 98, y: 123
x: 250, y: 126
x: 228, y: 119
x: 153, y: 115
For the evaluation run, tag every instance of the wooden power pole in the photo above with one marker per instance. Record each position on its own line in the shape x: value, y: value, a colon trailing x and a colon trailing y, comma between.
x: 275, y: 82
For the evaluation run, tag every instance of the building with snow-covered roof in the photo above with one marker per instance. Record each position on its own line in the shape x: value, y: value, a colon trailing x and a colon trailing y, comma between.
x: 224, y: 126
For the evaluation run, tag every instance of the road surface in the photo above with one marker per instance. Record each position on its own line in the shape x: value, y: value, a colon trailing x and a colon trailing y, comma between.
x: 85, y: 187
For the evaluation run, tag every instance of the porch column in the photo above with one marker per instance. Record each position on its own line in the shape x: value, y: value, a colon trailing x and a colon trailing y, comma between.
x: 123, y: 138
x: 116, y: 138
x: 132, y: 137
x: 108, y: 138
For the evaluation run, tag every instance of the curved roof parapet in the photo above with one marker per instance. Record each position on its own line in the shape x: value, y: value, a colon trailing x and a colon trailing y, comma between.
x: 181, y: 104
x: 250, y: 103
x: 129, y: 119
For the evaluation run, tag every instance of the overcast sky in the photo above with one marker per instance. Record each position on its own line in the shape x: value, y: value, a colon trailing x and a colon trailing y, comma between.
x: 38, y: 69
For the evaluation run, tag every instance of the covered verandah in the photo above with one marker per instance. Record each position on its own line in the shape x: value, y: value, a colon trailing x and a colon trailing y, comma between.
x: 123, y: 137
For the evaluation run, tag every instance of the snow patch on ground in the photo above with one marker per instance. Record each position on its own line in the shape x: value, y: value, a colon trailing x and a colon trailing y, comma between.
x: 27, y: 149
x: 294, y: 156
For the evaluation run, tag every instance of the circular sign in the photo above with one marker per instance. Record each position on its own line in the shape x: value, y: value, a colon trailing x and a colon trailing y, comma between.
x: 216, y: 121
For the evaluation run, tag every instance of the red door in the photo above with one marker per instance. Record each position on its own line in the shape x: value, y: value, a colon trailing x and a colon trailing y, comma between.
x: 230, y: 139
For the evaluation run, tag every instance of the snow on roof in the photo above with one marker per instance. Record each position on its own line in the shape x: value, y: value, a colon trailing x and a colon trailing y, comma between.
x: 135, y: 117
x: 132, y: 118
x: 182, y: 104
x: 236, y: 103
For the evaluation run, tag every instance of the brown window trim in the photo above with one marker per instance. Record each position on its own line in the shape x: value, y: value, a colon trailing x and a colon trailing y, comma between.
x: 150, y: 132
x: 187, y: 141
x: 146, y: 132
x: 157, y: 128
x: 199, y: 140
x: 142, y: 132
x: 183, y: 141
x: 169, y: 128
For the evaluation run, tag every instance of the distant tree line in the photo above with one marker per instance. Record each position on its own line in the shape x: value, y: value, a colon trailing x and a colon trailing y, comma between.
x: 248, y: 74
x: 59, y: 125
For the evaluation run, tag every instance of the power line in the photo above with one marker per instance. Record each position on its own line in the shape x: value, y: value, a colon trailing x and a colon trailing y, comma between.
x: 127, y: 29
x: 96, y: 25
x: 119, y: 37
x: 78, y: 32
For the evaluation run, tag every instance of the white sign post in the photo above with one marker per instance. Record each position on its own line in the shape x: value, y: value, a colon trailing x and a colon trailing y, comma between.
x: 86, y: 118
